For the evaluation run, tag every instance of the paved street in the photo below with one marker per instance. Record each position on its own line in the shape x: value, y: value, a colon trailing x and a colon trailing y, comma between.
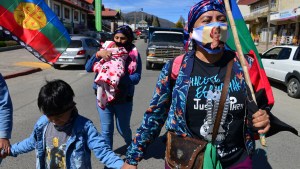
x: 283, y: 149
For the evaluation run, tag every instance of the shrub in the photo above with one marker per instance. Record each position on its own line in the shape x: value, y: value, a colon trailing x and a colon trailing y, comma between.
x: 2, y: 44
x: 11, y: 43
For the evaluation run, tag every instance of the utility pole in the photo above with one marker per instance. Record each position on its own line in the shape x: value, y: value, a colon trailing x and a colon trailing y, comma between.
x: 135, y: 20
x: 269, y: 24
x: 142, y: 14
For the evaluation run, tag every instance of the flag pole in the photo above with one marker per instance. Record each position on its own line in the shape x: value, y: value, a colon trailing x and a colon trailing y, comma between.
x: 241, y: 58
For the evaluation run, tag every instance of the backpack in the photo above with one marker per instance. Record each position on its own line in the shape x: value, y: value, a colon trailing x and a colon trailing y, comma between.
x: 174, y: 68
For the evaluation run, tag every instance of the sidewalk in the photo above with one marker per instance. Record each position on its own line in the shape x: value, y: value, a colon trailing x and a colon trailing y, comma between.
x: 13, y: 66
x: 261, y: 47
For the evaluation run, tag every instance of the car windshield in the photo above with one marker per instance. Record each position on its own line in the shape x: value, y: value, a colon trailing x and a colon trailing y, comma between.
x: 160, y: 37
x: 75, y: 44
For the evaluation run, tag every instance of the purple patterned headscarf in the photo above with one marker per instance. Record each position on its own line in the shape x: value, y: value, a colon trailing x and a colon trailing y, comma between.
x: 201, y: 7
x: 127, y: 31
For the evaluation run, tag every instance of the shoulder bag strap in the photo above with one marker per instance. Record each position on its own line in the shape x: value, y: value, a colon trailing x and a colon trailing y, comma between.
x: 222, y: 100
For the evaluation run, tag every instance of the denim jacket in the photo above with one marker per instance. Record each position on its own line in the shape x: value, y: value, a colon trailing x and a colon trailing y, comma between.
x: 83, y: 139
x: 6, y: 110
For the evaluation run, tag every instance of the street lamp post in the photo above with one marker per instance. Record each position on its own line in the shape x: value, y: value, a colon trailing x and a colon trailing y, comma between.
x: 269, y: 24
x: 142, y: 14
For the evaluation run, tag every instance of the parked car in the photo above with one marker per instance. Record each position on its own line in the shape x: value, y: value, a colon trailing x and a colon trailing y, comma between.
x: 144, y: 34
x: 282, y: 63
x: 78, y: 52
x: 164, y: 44
x: 101, y: 36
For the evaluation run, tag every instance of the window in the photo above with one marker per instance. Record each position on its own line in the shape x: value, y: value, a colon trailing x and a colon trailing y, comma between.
x: 76, y: 16
x: 56, y: 8
x: 278, y: 54
x: 75, y: 44
x: 92, y: 43
x: 67, y: 13
x: 297, y: 57
x: 83, y: 18
x: 272, y: 54
x: 284, y: 54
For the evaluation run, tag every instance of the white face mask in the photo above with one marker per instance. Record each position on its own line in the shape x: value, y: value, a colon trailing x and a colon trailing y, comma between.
x: 211, y: 37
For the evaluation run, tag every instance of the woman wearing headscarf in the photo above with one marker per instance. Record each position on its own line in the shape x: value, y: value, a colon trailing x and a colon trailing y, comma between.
x: 121, y: 106
x: 188, y: 108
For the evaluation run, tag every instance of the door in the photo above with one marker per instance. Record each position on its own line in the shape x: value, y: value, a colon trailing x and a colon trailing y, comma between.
x: 275, y: 62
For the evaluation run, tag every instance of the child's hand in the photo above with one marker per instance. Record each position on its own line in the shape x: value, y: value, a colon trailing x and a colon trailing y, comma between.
x: 104, y: 54
x: 4, y: 147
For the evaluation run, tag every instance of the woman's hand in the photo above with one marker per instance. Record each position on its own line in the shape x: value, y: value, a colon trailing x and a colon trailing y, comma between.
x: 261, y: 121
x: 128, y: 166
x: 104, y: 54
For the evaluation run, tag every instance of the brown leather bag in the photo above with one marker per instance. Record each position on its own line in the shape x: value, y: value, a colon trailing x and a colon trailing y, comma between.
x: 184, y: 152
x: 187, y: 152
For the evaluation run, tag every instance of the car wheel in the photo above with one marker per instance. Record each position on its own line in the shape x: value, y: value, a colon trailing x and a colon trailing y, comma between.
x: 293, y: 88
x: 148, y: 65
x: 56, y: 66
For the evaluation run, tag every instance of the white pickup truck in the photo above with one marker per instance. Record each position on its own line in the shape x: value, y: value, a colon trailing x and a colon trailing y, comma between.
x: 282, y: 63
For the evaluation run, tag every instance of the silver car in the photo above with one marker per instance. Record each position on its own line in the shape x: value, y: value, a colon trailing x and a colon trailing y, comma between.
x: 79, y: 51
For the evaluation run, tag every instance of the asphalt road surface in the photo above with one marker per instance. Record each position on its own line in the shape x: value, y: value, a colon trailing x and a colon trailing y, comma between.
x: 283, y: 151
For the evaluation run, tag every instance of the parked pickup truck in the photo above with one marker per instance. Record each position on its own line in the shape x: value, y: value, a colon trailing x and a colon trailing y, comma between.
x: 282, y: 63
x: 163, y: 45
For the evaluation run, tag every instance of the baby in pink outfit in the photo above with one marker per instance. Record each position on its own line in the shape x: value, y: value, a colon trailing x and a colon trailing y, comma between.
x: 110, y: 72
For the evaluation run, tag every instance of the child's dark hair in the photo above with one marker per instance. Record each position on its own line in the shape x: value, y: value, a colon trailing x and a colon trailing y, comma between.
x: 55, y: 97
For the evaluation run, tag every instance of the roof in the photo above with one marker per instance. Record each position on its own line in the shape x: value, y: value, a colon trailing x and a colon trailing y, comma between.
x: 108, y: 13
x: 89, y: 1
x: 143, y: 22
x: 73, y: 4
x: 247, y: 2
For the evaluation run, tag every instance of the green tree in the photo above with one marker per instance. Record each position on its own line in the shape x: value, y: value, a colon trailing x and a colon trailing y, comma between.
x: 147, y: 20
x: 156, y: 22
x: 182, y: 20
x: 151, y: 20
x: 178, y: 24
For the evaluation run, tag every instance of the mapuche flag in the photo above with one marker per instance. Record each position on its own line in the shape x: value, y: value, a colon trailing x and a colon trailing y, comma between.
x: 257, y: 73
x: 33, y: 24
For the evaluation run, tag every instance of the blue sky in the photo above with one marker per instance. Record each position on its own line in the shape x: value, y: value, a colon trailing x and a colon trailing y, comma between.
x: 167, y: 9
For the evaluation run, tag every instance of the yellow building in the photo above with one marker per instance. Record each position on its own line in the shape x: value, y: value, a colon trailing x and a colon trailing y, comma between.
x: 284, y: 20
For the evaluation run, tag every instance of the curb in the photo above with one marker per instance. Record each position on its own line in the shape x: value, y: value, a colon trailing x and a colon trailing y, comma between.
x: 2, y: 49
x: 22, y: 73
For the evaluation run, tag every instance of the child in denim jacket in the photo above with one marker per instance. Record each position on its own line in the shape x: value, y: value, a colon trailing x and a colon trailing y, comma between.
x: 62, y: 138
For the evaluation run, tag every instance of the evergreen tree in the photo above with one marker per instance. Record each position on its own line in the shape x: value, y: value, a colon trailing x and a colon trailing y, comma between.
x: 146, y: 19
x: 178, y: 24
x: 182, y: 20
x: 151, y: 20
x: 158, y: 21
x: 155, y: 22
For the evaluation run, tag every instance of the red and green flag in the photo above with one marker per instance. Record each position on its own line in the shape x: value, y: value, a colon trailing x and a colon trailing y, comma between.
x: 257, y: 74
x: 33, y: 24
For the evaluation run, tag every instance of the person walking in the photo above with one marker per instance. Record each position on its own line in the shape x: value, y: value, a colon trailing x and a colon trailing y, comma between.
x: 121, y: 106
x: 62, y: 138
x: 6, y: 116
x: 207, y: 107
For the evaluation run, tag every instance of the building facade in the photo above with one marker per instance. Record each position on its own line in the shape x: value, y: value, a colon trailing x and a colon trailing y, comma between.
x: 72, y: 13
x: 284, y: 20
